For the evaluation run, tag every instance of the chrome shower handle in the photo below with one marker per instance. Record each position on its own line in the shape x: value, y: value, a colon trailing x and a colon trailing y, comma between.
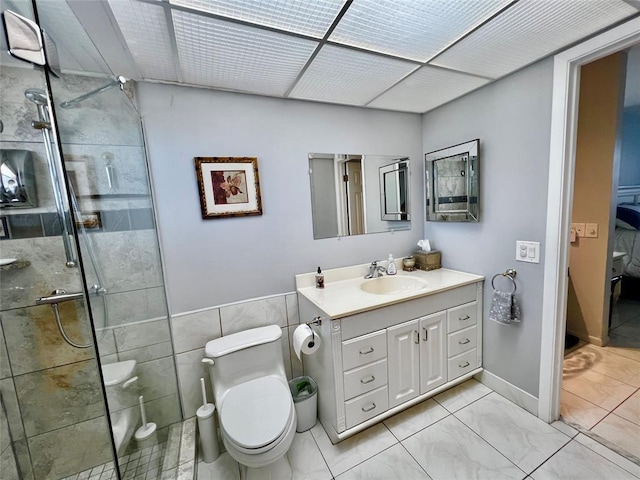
x: 59, y: 296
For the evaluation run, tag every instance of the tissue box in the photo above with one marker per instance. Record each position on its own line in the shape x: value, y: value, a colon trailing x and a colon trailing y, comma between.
x: 428, y: 260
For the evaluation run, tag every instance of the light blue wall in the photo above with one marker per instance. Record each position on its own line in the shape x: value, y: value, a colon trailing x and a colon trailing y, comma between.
x: 511, y: 117
x: 630, y: 151
x: 214, y: 262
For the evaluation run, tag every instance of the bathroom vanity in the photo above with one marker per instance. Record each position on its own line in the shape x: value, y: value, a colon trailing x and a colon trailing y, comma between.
x: 388, y: 343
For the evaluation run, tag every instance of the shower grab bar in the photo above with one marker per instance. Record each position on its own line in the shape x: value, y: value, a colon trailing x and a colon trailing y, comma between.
x: 59, y: 296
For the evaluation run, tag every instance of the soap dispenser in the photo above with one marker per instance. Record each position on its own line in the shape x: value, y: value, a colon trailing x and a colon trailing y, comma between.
x: 391, y: 266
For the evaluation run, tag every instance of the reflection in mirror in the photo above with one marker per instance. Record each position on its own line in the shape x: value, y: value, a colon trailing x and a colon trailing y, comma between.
x: 348, y: 194
x: 451, y: 182
x: 394, y: 201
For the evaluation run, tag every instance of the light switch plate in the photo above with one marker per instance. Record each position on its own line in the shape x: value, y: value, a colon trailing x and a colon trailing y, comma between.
x: 528, y: 251
x: 591, y: 230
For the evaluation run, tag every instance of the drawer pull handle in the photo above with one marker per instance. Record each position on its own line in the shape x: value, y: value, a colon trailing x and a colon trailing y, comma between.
x: 464, y: 342
x: 462, y: 319
x: 368, y: 379
x: 368, y: 409
x: 464, y: 365
x: 426, y: 335
x: 365, y: 352
x: 417, y: 340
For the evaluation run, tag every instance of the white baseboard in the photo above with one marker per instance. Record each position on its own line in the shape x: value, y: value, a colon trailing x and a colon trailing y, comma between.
x: 509, y: 391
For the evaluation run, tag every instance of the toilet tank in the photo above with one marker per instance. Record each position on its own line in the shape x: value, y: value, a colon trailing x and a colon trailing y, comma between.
x: 245, y: 356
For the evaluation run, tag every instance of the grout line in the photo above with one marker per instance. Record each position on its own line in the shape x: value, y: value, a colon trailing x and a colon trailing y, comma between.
x: 320, y: 450
x: 553, y: 455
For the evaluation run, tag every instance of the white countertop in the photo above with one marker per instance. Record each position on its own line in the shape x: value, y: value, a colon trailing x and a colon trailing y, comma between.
x: 342, y: 295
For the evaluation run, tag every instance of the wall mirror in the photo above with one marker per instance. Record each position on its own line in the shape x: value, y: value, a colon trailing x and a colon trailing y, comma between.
x: 451, y: 182
x: 356, y: 194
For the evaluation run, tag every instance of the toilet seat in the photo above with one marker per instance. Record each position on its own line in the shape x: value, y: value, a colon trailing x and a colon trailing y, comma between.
x: 255, y: 414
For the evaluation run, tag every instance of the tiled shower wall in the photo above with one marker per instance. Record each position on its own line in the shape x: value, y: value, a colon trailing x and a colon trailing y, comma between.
x: 51, y: 392
x: 191, y: 332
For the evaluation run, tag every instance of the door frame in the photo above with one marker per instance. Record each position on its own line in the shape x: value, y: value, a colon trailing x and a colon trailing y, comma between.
x: 564, y: 120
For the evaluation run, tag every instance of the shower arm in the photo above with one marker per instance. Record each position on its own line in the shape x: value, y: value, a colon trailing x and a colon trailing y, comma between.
x: 119, y: 81
x: 55, y: 167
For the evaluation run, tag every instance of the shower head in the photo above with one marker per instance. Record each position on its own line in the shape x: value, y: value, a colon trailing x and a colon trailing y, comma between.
x: 35, y: 95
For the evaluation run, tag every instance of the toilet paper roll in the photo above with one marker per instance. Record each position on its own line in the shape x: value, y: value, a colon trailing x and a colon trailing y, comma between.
x: 305, y: 341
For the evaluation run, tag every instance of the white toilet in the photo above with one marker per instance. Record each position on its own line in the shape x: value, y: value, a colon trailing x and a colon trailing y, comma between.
x: 255, y: 408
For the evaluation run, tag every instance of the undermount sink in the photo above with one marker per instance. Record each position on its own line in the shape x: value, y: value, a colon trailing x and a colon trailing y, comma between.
x: 393, y: 285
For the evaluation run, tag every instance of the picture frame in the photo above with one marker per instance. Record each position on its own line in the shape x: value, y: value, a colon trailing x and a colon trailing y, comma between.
x: 228, y: 186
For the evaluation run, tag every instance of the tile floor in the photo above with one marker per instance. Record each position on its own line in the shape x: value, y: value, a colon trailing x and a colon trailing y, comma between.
x: 468, y: 432
x: 601, y: 385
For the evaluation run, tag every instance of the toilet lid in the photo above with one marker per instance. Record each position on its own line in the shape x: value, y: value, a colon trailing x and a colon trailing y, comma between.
x: 255, y: 413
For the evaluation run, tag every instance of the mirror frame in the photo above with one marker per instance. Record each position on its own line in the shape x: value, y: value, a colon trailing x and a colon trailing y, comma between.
x: 401, y: 183
x: 470, y: 153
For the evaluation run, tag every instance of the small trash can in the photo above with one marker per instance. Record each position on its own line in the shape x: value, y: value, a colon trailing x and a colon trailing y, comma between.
x: 304, y: 391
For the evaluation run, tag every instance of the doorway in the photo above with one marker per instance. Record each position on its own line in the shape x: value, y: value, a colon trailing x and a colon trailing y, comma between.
x: 561, y: 188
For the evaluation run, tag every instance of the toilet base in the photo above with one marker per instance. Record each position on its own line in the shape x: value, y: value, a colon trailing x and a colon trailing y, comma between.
x: 278, y: 470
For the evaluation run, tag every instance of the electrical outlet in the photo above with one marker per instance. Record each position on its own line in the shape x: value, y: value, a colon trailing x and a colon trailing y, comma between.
x: 579, y: 228
x: 591, y: 230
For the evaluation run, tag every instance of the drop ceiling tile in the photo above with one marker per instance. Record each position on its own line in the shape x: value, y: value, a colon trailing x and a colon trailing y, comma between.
x: 427, y: 89
x: 299, y: 16
x: 528, y: 31
x: 144, y: 27
x: 415, y: 30
x: 221, y: 54
x: 341, y: 75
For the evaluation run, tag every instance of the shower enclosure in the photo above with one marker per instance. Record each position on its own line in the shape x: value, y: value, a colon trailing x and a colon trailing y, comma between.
x: 84, y: 328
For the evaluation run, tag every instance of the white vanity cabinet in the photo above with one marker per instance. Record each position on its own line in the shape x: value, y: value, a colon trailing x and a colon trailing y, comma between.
x: 374, y: 363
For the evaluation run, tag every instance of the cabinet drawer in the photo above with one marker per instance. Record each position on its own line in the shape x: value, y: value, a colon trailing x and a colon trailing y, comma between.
x: 366, y: 406
x: 463, y: 363
x: 364, y: 379
x: 461, y: 317
x: 362, y: 350
x: 462, y: 340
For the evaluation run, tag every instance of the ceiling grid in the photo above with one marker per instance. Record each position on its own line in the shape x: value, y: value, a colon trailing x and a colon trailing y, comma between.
x: 390, y: 54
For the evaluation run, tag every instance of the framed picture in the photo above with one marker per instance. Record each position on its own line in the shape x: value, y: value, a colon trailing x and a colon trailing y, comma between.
x: 229, y: 186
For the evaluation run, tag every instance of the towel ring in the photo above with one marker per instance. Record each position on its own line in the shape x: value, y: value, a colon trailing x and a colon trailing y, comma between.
x: 509, y: 274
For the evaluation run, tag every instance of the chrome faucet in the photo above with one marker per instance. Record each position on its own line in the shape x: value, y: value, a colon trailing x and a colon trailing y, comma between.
x: 375, y: 270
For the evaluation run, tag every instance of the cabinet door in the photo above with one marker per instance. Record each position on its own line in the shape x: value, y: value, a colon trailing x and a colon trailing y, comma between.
x: 403, y: 352
x: 433, y: 351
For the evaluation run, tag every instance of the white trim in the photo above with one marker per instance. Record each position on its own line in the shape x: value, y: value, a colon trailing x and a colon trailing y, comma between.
x: 566, y: 78
x: 509, y: 391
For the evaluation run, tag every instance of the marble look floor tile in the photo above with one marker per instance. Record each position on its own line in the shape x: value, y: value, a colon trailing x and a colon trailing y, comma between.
x: 521, y: 437
x: 306, y: 460
x: 354, y: 450
x: 578, y: 411
x: 575, y: 461
x: 564, y: 428
x: 449, y: 449
x: 394, y: 463
x: 599, y: 448
x: 414, y: 419
x: 620, y: 432
x: 630, y: 328
x: 630, y: 409
x: 606, y: 362
x: 462, y: 395
x: 597, y: 388
x: 224, y: 468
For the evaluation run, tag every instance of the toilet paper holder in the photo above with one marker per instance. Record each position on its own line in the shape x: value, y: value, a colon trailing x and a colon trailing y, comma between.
x: 315, y: 321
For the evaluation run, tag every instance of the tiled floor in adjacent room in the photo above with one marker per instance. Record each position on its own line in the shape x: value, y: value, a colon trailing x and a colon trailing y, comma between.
x: 601, y: 385
x: 467, y: 432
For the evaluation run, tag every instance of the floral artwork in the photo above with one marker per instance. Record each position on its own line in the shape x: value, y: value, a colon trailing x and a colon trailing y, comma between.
x: 228, y: 186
